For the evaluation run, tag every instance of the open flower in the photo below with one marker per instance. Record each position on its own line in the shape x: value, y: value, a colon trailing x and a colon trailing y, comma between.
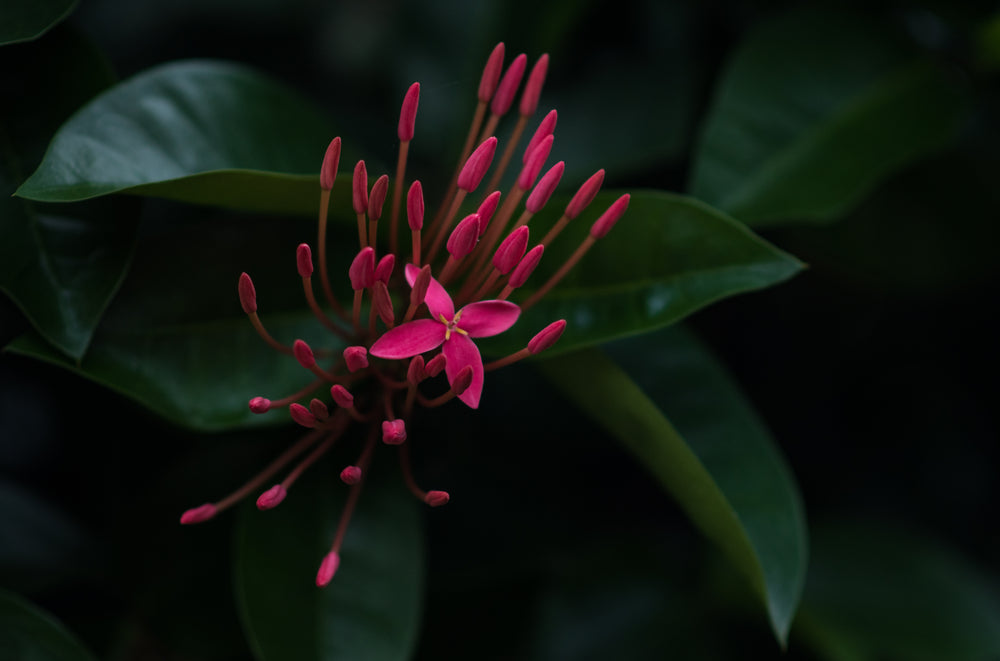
x: 453, y: 329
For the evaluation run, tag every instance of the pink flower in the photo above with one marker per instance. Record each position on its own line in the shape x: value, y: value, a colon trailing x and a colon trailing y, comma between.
x: 454, y: 330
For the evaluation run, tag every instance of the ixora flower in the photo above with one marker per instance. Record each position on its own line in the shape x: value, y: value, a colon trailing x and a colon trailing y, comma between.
x: 387, y: 363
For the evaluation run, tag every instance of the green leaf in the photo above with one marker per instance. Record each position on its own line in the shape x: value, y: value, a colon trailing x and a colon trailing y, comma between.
x: 668, y: 257
x: 875, y: 592
x: 371, y: 609
x: 815, y: 109
x: 199, y: 131
x: 24, y: 20
x: 676, y: 409
x: 29, y: 634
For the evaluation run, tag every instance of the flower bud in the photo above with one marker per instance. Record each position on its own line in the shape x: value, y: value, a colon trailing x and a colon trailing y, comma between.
x: 585, y: 195
x: 342, y: 397
x: 303, y: 258
x: 462, y: 381
x: 491, y: 74
x: 608, y: 219
x: 547, y: 337
x: 199, y: 514
x: 331, y: 160
x: 356, y: 358
x: 362, y: 269
x: 379, y: 190
x: 507, y: 89
x: 415, y: 206
x: 436, y: 365
x: 526, y: 267
x: 546, y: 186
x: 248, y: 295
x: 533, y: 88
x: 383, y: 303
x: 304, y: 354
x: 408, y: 113
x: 271, y: 498
x: 393, y: 432
x: 318, y: 409
x: 486, y: 210
x: 327, y: 568
x: 350, y: 475
x: 383, y: 271
x: 437, y: 498
x: 415, y: 372
x: 535, y: 163
x: 511, y: 250
x: 360, y: 188
x: 546, y: 128
x: 301, y: 415
x: 420, y: 285
x: 464, y: 237
x: 476, y: 166
x: 260, y: 405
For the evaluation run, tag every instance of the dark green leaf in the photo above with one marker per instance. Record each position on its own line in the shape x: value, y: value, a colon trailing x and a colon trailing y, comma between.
x: 719, y: 461
x: 371, y: 609
x: 200, y: 131
x: 24, y: 20
x: 815, y: 109
x: 878, y: 593
x: 30, y: 634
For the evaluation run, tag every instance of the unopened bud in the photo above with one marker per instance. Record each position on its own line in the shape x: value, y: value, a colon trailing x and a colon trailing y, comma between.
x: 342, y: 397
x: 491, y: 74
x: 393, y: 432
x: 535, y: 163
x: 416, y: 373
x: 462, y: 381
x: 383, y: 303
x: 476, y: 166
x: 303, y: 257
x: 331, y: 160
x: 511, y: 250
x: 547, y: 337
x: 350, y: 475
x: 303, y: 354
x: 383, y: 271
x: 301, y: 415
x: 415, y: 206
x: 585, y: 195
x: 199, y: 514
x: 356, y: 358
x: 437, y: 498
x: 248, y: 295
x: 436, y: 365
x: 260, y: 405
x: 463, y: 239
x: 327, y: 568
x: 271, y: 498
x: 379, y: 190
x: 546, y: 186
x: 486, y: 210
x: 408, y: 113
x: 608, y: 219
x: 546, y: 128
x: 319, y: 409
x: 533, y: 88
x: 420, y: 285
x: 362, y: 269
x: 360, y: 188
x: 526, y: 267
x: 507, y: 89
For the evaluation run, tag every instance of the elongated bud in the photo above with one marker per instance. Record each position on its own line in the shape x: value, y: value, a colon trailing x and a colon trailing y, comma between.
x: 301, y: 415
x: 436, y: 365
x: 535, y: 163
x: 379, y: 190
x: 479, y: 162
x: 260, y: 405
x: 318, y: 409
x: 420, y: 285
x: 331, y: 161
x: 383, y: 303
x: 546, y: 186
x: 383, y: 271
x: 511, y: 250
x: 533, y: 88
x: 526, y: 267
x: 437, y: 498
x: 199, y: 514
x: 271, y: 498
x: 341, y: 396
x: 546, y: 128
x: 507, y: 89
x: 362, y: 270
x: 327, y: 568
x: 486, y: 210
x: 356, y: 358
x: 491, y: 74
x: 393, y: 432
x: 304, y: 260
x: 304, y: 354
x: 462, y: 381
x: 360, y: 188
x: 547, y: 336
x: 408, y: 113
x: 608, y: 219
x: 248, y: 295
x: 585, y: 195
x: 463, y: 239
x: 415, y: 206
x: 350, y: 475
x: 416, y: 373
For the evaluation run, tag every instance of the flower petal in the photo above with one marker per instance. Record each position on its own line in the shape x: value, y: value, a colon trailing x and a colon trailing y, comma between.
x: 460, y: 351
x: 409, y: 339
x: 438, y: 301
x: 487, y: 318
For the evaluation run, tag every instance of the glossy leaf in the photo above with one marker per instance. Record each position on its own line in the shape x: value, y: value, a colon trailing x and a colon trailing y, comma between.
x: 371, y: 608
x: 875, y: 592
x: 199, y: 131
x: 27, y: 632
x: 676, y: 409
x: 815, y: 108
x: 24, y: 20
x: 666, y: 258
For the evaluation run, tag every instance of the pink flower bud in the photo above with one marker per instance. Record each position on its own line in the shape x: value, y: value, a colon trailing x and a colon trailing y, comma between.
x: 463, y: 239
x: 436, y: 365
x: 331, y: 160
x: 462, y: 381
x: 383, y: 271
x: 535, y: 163
x: 608, y: 219
x: 301, y: 415
x: 304, y: 354
x: 199, y: 514
x: 383, y: 303
x: 271, y: 498
x: 360, y: 189
x: 356, y: 358
x: 437, y: 498
x: 546, y: 186
x: 260, y: 405
x: 393, y: 432
x: 491, y: 74
x: 585, y: 195
x: 416, y: 373
x: 511, y: 250
x: 342, y: 396
x: 486, y: 210
x: 362, y: 270
x: 327, y: 569
x: 546, y: 128
x: 350, y: 475
x: 547, y: 336
x: 479, y: 162
x: 248, y: 295
x: 533, y: 88
x: 408, y: 113
x: 303, y: 258
x: 379, y: 190
x: 319, y: 409
x: 526, y: 267
x: 420, y: 285
x: 415, y: 206
x: 507, y: 89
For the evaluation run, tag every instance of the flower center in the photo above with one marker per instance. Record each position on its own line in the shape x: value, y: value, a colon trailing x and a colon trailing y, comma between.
x: 451, y: 325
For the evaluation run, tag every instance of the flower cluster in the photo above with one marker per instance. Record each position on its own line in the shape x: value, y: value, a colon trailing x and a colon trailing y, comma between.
x: 392, y: 359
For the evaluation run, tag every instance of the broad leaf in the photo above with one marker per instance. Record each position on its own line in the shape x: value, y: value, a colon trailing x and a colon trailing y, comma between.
x: 24, y: 20
x: 677, y: 410
x: 26, y: 632
x: 815, y: 109
x: 371, y: 609
x: 200, y: 131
